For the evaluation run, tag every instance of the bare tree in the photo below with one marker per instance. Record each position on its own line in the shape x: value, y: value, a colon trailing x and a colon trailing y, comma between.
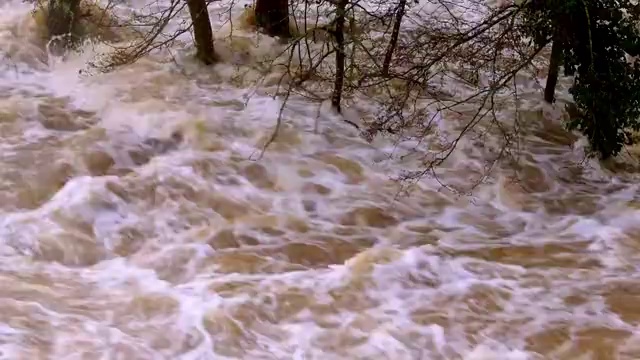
x: 336, y: 97
x: 149, y: 27
x: 400, y: 60
x: 393, y: 42
x: 406, y: 63
x: 203, y: 35
x: 552, y: 77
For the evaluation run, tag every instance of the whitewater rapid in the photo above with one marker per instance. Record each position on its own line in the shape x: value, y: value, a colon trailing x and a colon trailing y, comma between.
x: 136, y: 222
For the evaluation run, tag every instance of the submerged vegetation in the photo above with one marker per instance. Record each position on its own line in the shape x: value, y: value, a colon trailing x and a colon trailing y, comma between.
x: 400, y: 56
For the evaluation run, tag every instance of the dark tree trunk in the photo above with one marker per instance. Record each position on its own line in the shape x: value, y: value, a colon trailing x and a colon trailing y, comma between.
x: 393, y: 42
x: 336, y: 97
x: 273, y: 17
x: 202, y: 31
x: 62, y: 19
x: 552, y: 77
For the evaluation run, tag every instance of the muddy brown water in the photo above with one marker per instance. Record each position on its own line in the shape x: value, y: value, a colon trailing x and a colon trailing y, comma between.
x: 134, y: 224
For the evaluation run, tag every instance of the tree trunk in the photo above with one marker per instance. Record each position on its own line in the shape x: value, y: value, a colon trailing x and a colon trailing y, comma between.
x: 202, y: 32
x: 273, y: 17
x: 552, y: 77
x: 393, y: 42
x: 62, y: 20
x: 336, y: 97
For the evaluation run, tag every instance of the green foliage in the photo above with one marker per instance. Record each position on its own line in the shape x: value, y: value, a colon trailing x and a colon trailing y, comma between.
x: 595, y: 36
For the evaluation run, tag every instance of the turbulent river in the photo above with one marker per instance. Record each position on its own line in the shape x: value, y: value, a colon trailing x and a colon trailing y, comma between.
x: 134, y: 224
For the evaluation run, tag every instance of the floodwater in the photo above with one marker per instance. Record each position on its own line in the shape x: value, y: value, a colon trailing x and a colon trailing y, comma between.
x: 136, y: 223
